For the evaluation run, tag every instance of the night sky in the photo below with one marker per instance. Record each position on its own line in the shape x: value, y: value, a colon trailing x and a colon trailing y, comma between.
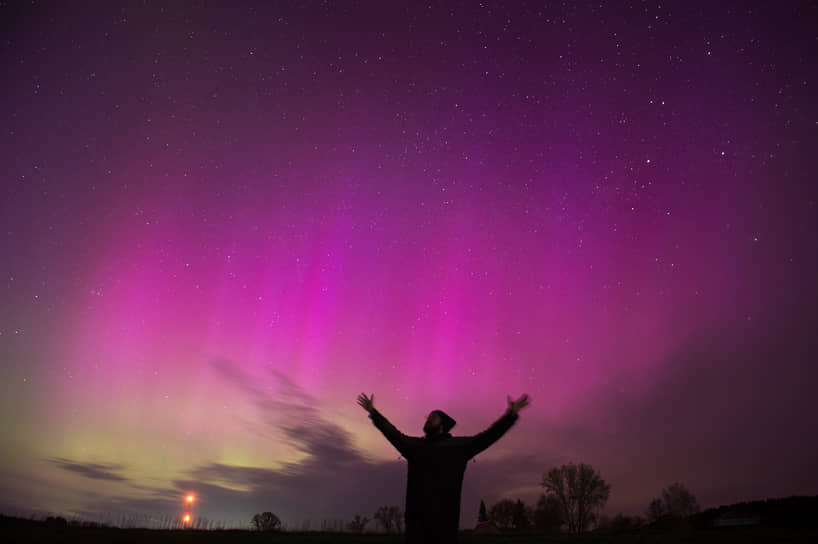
x: 223, y: 221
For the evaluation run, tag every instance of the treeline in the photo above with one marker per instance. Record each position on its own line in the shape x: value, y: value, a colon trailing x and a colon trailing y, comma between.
x: 388, y: 518
x: 121, y: 522
x: 573, y: 496
x: 676, y: 509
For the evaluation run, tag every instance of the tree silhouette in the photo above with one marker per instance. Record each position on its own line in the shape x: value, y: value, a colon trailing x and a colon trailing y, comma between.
x: 58, y: 522
x: 357, y: 524
x: 677, y: 502
x: 581, y: 493
x: 389, y: 517
x: 383, y: 516
x: 655, y: 511
x: 482, y: 516
x: 619, y: 524
x: 502, y: 513
x: 397, y: 518
x: 520, y: 517
x: 266, y: 521
x: 548, y: 514
x: 623, y: 523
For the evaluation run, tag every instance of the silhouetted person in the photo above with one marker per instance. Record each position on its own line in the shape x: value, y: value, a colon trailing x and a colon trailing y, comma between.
x: 437, y: 463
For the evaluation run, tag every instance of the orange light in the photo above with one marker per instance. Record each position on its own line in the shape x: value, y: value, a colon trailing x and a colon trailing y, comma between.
x: 186, y: 519
x: 190, y: 498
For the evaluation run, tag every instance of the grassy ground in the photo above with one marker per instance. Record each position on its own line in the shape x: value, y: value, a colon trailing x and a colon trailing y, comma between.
x: 51, y: 535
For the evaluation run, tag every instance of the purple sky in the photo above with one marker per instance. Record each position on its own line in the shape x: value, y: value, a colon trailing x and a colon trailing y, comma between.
x: 224, y: 221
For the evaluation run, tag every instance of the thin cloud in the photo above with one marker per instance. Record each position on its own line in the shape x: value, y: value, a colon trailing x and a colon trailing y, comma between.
x: 94, y: 471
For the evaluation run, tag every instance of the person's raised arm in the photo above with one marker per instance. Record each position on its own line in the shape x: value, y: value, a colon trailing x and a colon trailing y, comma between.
x: 481, y: 441
x: 395, y: 437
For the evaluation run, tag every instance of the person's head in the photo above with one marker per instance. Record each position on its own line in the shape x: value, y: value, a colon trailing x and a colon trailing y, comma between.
x: 433, y: 425
x: 438, y: 422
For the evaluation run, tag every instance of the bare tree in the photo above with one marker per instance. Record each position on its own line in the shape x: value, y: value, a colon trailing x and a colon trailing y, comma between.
x: 397, y: 518
x: 384, y: 516
x: 580, y: 491
x: 266, y: 521
x: 678, y: 501
x: 357, y: 524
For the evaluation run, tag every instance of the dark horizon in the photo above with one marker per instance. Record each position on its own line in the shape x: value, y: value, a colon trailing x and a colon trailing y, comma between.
x: 771, y: 512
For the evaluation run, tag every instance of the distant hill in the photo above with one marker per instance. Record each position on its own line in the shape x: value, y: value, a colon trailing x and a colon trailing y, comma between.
x: 785, y: 512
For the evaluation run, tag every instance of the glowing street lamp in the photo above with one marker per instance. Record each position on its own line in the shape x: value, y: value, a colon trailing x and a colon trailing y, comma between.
x: 186, y: 520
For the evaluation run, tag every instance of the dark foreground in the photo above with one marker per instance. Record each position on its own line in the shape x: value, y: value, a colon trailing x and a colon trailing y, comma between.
x: 93, y: 535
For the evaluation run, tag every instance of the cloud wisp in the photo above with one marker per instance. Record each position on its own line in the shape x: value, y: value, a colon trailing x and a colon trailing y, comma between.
x: 95, y: 471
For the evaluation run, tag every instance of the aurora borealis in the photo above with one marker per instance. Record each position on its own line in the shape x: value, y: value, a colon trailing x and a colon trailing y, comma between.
x: 224, y: 221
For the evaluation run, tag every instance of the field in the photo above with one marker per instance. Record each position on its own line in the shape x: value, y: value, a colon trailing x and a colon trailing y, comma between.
x: 52, y: 535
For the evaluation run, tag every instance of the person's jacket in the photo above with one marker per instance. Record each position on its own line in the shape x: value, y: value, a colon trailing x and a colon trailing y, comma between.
x: 436, y: 468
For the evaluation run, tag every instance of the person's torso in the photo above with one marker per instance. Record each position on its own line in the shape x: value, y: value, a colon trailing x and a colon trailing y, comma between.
x: 435, y: 476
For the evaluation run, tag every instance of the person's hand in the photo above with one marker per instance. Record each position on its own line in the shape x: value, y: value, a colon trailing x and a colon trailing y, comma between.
x: 515, y: 406
x: 367, y: 403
